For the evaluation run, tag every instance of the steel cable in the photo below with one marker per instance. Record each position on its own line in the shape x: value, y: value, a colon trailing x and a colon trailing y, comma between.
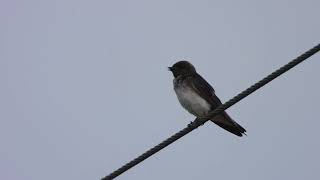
x: 198, y: 122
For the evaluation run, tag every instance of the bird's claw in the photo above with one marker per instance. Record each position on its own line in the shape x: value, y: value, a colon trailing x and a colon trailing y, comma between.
x: 190, y: 124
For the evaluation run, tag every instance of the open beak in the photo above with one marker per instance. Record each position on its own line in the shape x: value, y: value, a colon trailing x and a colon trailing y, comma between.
x: 169, y: 68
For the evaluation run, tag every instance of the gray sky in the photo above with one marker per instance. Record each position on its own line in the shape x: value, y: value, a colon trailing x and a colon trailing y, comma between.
x: 84, y: 88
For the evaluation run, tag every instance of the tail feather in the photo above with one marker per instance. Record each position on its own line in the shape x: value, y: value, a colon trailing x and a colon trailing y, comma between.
x: 224, y: 121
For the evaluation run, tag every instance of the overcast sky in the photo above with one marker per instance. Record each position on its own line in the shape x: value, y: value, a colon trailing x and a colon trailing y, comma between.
x: 85, y: 88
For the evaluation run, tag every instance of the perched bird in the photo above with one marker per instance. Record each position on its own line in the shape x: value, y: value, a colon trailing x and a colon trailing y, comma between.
x: 197, y: 96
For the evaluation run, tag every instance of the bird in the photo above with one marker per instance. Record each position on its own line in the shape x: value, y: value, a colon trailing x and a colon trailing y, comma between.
x: 198, y: 97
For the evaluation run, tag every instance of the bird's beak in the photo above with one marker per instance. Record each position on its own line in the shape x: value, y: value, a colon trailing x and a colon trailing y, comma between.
x: 169, y: 68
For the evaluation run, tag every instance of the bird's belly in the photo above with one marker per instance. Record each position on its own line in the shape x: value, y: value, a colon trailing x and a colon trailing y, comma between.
x: 192, y: 102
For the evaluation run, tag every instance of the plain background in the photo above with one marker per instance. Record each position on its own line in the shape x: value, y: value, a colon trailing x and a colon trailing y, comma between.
x: 84, y: 88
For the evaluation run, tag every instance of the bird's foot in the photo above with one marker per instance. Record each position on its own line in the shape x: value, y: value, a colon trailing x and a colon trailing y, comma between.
x: 196, y: 121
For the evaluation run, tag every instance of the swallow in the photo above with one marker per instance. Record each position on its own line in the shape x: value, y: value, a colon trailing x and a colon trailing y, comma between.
x: 198, y: 97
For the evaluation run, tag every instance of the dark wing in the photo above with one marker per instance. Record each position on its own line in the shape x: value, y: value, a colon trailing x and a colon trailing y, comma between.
x: 204, y: 89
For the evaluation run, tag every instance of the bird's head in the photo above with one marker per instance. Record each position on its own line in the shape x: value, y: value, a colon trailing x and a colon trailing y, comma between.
x: 182, y: 68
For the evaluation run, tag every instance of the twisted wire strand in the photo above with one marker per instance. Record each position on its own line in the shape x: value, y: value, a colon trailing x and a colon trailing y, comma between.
x: 198, y: 122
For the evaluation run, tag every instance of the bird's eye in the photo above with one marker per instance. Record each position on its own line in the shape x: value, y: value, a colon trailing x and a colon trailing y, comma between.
x: 179, y: 67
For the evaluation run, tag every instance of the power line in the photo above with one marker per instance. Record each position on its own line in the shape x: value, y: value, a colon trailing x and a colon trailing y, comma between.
x: 198, y: 122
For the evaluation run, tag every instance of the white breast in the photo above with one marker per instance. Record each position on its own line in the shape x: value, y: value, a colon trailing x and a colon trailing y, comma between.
x: 191, y: 101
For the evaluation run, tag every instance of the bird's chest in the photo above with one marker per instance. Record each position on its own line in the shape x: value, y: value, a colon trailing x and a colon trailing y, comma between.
x: 190, y: 100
